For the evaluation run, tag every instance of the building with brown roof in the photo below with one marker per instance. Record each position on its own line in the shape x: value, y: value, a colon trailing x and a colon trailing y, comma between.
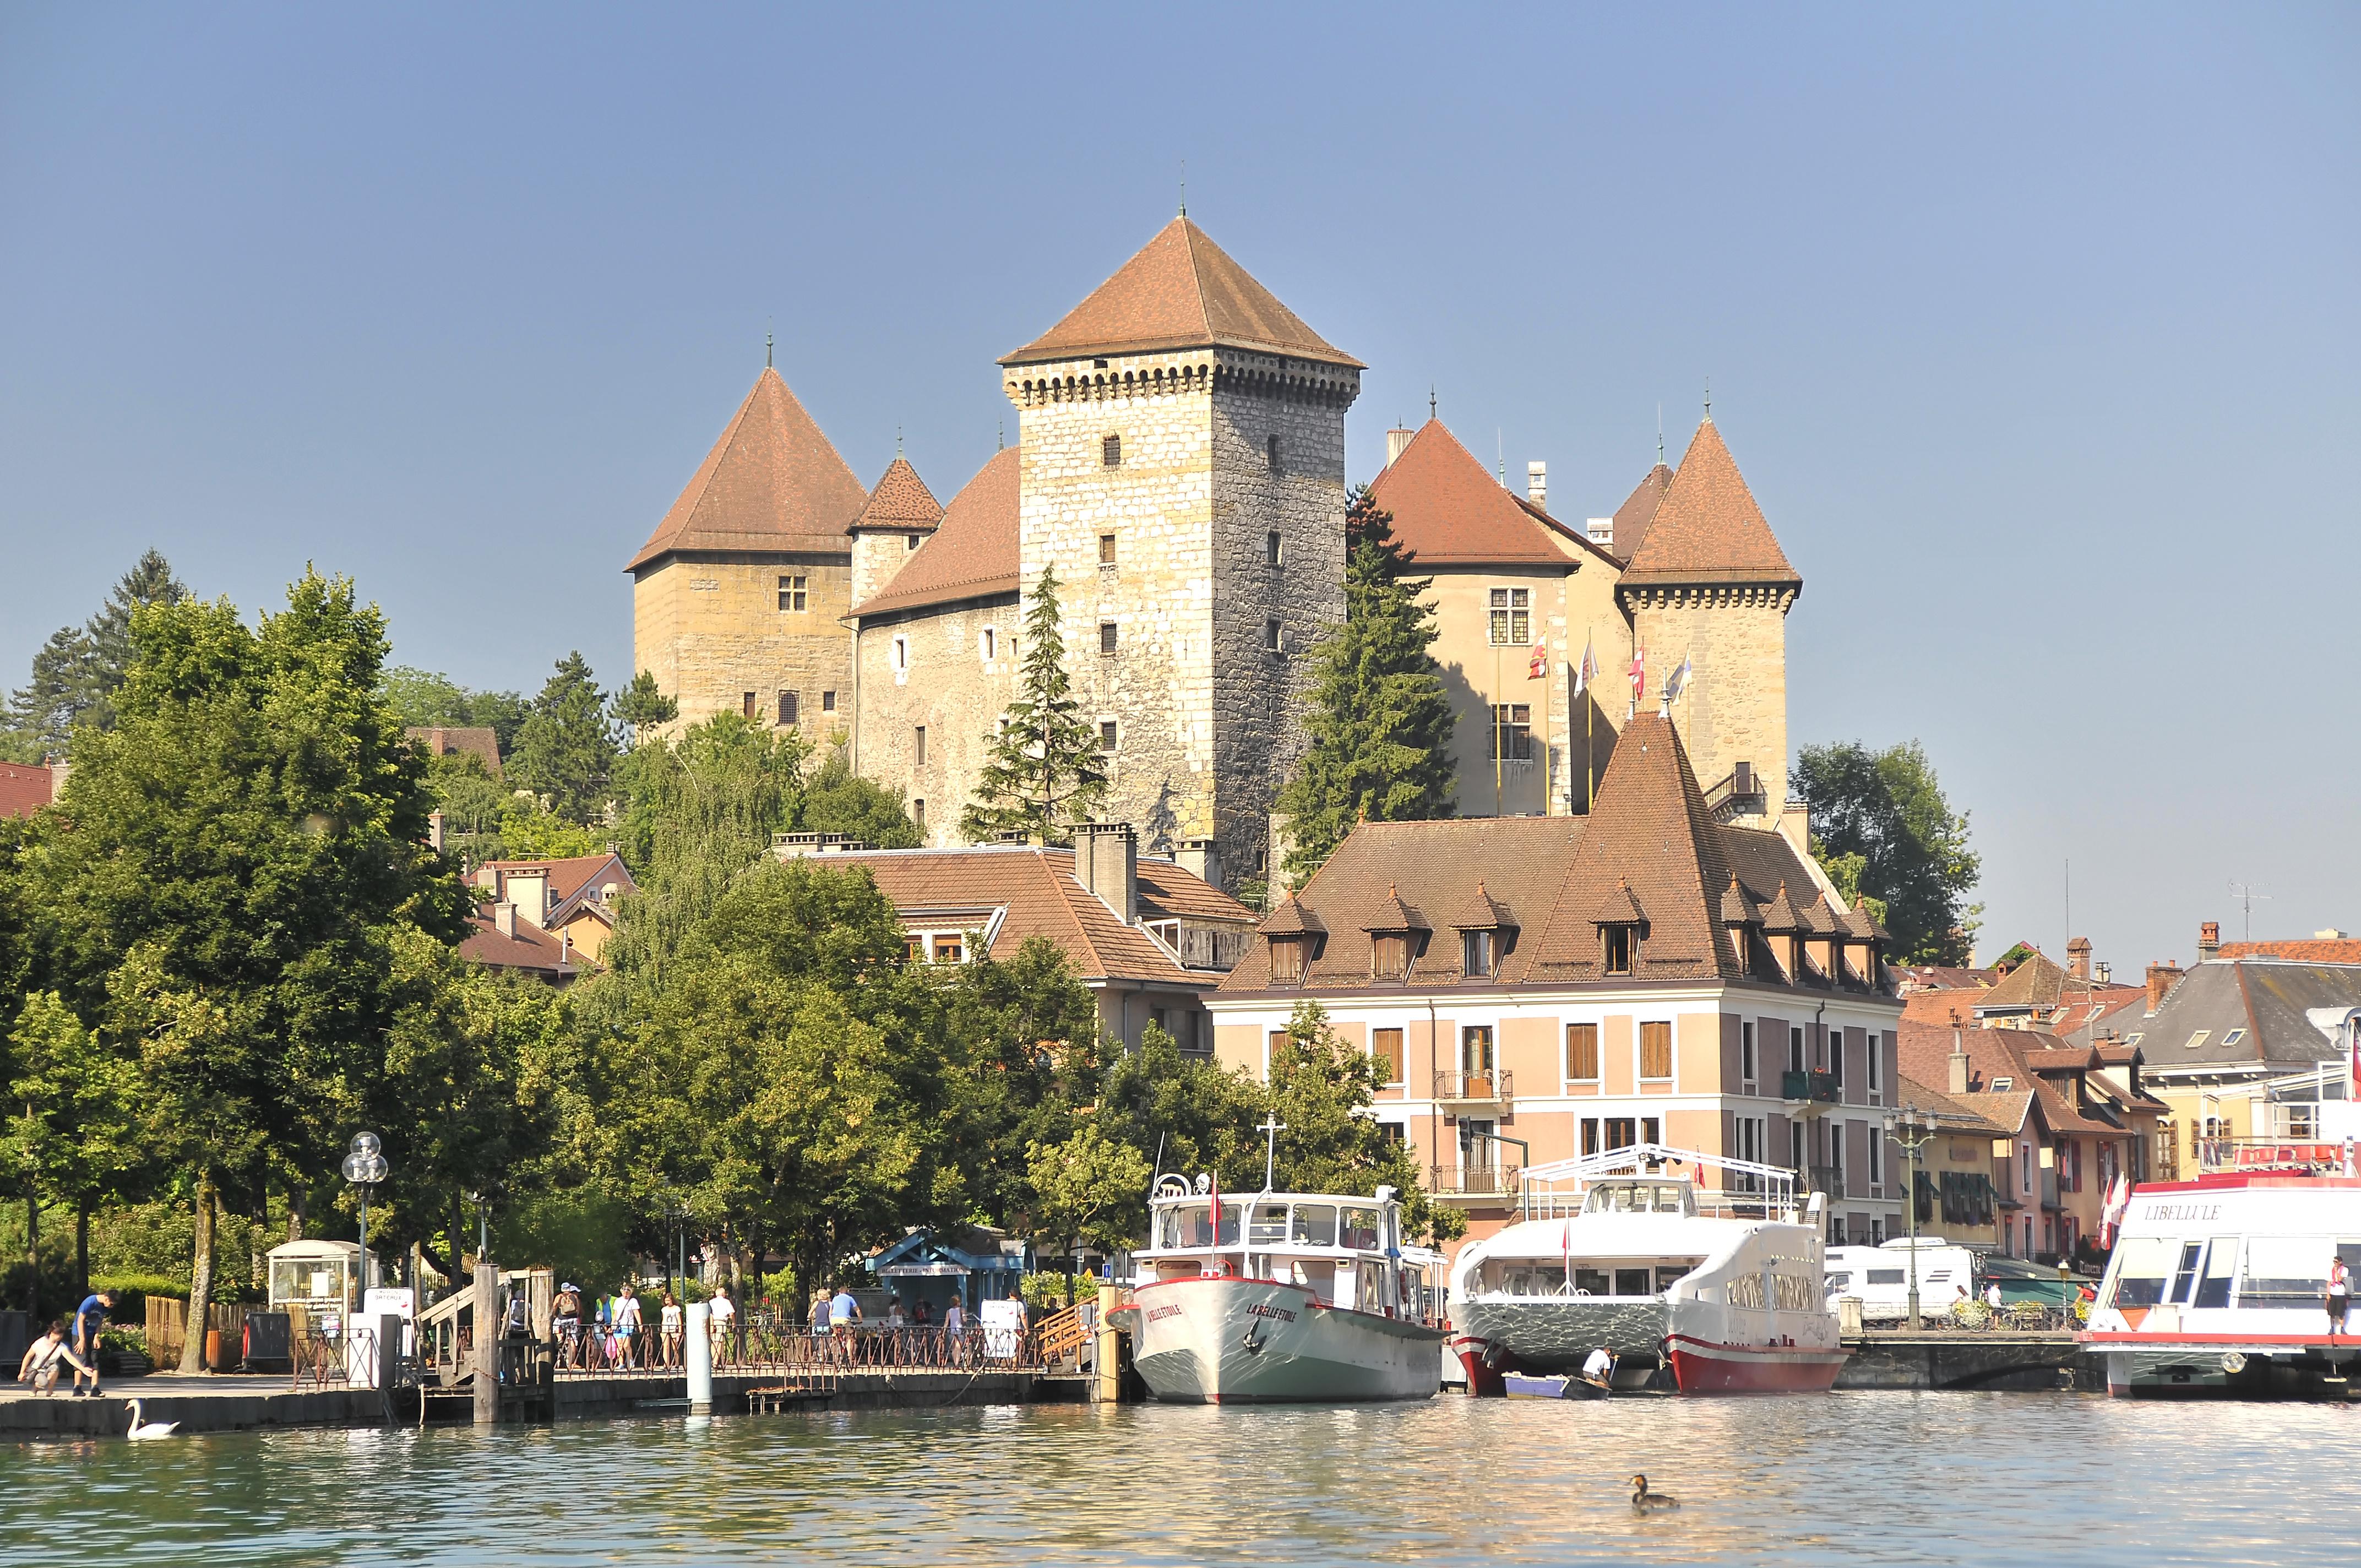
x: 1149, y: 937
x: 1543, y: 987
x: 548, y: 919
x: 481, y: 742
x: 26, y: 788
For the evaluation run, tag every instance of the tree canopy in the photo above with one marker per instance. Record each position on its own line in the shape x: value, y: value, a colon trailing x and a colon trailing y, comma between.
x: 1378, y: 720
x: 1882, y: 831
x: 567, y: 751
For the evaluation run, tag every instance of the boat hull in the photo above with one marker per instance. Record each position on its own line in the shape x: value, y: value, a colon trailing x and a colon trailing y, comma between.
x: 1701, y: 1366
x: 1227, y: 1341
x: 1553, y: 1338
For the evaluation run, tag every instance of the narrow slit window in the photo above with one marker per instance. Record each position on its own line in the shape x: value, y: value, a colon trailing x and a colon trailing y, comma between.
x: 989, y: 643
x: 1107, y: 549
x: 790, y: 707
x: 1110, y: 451
x: 1270, y: 548
x: 1270, y: 451
x: 1108, y: 637
x: 918, y: 745
x: 1273, y: 636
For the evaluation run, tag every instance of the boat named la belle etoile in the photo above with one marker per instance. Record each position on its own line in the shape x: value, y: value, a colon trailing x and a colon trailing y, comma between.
x: 1282, y: 1297
x: 1626, y: 1250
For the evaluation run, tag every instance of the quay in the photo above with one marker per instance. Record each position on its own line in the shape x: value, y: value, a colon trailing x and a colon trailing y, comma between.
x: 2017, y: 1361
x: 238, y: 1402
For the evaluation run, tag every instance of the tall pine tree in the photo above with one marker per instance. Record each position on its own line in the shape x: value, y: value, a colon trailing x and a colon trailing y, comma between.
x: 566, y: 749
x: 1042, y: 774
x: 78, y: 671
x: 1379, y: 722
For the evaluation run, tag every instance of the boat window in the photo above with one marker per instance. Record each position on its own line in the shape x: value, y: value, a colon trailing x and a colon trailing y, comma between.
x: 1632, y: 1282
x: 1885, y: 1277
x: 1361, y: 1230
x: 1592, y: 1282
x: 2184, y: 1276
x: 1669, y: 1274
x: 2285, y: 1271
x: 1191, y: 1225
x: 1315, y: 1224
x: 2221, y: 1262
x: 1838, y: 1281
x: 2141, y: 1263
x: 1269, y: 1224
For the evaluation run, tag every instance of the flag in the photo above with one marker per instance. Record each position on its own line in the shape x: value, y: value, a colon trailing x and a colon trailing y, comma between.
x: 1678, y: 681
x: 1537, y: 667
x: 1585, y: 672
x: 2111, y: 1218
x: 1638, y: 674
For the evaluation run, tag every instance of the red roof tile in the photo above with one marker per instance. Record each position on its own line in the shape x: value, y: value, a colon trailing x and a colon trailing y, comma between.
x: 773, y: 482
x: 972, y: 555
x: 1639, y: 510
x: 2311, y: 949
x: 1450, y: 512
x: 901, y: 503
x: 1709, y: 529
x: 1180, y: 291
x: 24, y: 788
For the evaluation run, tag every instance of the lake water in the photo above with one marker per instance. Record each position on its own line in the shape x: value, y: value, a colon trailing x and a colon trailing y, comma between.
x: 1872, y: 1476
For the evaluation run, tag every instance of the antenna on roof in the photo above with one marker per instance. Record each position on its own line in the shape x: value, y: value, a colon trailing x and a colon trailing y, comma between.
x: 1660, y: 435
x: 1500, y: 454
x: 2249, y: 897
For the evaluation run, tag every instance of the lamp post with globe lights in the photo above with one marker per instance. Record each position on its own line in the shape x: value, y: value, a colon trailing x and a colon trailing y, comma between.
x: 1913, y: 1130
x: 365, y: 1167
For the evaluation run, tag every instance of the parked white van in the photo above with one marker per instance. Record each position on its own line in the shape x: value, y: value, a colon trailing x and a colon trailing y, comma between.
x: 1880, y: 1275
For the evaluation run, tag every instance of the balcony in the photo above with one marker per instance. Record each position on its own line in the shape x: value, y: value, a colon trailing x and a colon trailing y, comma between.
x: 1495, y: 1181
x: 1811, y: 1087
x: 1827, y: 1178
x: 1492, y: 1088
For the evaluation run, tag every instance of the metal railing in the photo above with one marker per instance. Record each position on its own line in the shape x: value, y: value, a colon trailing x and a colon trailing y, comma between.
x: 1827, y: 1178
x: 1814, y: 1088
x: 1472, y: 1181
x: 790, y: 1350
x: 1495, y: 1085
x: 2269, y: 1154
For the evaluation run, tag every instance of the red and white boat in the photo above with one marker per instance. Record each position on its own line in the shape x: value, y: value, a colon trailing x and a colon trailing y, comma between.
x: 1627, y: 1250
x: 2219, y: 1286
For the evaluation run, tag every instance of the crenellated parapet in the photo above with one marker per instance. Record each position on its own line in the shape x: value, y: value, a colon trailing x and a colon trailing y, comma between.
x: 1780, y: 596
x: 1272, y: 376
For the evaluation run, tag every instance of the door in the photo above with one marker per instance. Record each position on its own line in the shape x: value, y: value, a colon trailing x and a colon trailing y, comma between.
x: 1476, y: 1060
x: 1478, y: 1167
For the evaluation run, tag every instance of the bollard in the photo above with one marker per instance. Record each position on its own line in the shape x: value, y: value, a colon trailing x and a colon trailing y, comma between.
x: 699, y: 1333
x: 488, y: 1344
x: 389, y: 1360
x: 1108, y: 1386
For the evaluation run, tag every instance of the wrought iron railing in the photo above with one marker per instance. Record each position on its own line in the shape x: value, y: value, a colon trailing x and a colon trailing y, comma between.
x: 1815, y: 1088
x: 1472, y: 1181
x: 1494, y: 1085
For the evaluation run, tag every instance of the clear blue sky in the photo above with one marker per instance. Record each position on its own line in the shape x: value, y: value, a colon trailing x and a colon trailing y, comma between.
x: 2033, y: 329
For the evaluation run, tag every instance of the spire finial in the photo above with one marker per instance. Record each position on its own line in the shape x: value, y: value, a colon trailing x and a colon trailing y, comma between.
x: 1430, y: 400
x: 897, y: 441
x: 1184, y: 187
x: 1002, y: 445
x: 766, y: 348
x: 1660, y: 435
x: 1709, y: 399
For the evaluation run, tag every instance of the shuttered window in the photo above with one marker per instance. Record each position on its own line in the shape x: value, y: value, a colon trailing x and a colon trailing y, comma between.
x: 1655, y: 1050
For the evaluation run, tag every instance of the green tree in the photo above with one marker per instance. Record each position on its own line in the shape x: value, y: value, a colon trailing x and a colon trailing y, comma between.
x: 838, y: 800
x: 77, y: 672
x: 1092, y: 1191
x: 1887, y: 808
x: 229, y: 872
x: 1377, y: 719
x: 643, y: 708
x: 1041, y: 772
x: 1321, y: 1087
x: 72, y: 1132
x: 567, y: 751
x: 429, y: 700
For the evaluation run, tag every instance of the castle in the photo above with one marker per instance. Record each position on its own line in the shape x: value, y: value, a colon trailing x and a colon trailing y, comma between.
x: 1179, y: 470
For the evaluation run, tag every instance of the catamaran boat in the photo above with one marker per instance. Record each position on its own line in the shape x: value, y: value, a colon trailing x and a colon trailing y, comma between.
x: 1282, y: 1297
x: 2219, y: 1286
x: 1628, y: 1250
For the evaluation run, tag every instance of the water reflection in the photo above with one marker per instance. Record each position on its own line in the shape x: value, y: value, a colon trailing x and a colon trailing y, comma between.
x: 1885, y: 1478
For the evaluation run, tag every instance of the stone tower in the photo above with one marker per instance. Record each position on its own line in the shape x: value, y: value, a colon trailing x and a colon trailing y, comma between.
x: 738, y: 597
x: 1708, y: 583
x: 1182, y: 435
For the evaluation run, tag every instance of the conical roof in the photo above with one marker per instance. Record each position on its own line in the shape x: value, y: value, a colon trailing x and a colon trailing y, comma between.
x: 1638, y: 511
x: 773, y: 482
x: 1649, y: 843
x: 1181, y: 290
x: 901, y: 503
x: 1449, y: 510
x: 1709, y: 529
x: 971, y: 554
x: 1736, y: 907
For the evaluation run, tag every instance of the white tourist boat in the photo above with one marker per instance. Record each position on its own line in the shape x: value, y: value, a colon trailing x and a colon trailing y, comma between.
x: 2219, y: 1286
x: 1627, y: 1250
x: 1282, y: 1297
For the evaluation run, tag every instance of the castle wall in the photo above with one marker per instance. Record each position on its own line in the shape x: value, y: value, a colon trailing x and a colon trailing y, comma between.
x: 947, y: 687
x: 709, y: 627
x: 877, y: 554
x: 1735, y: 707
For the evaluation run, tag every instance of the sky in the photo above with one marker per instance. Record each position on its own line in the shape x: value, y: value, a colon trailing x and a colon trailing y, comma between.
x: 2033, y: 329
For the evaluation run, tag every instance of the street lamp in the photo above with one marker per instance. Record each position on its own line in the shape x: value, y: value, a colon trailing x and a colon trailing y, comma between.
x: 365, y: 1167
x: 1913, y: 1132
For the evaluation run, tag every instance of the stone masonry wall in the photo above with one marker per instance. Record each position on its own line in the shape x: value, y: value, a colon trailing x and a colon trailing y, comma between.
x: 1735, y: 707
x: 951, y: 689
x: 710, y: 630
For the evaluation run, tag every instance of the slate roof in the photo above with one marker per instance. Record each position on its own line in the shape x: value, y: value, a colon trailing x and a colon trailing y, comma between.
x: 1180, y: 290
x: 772, y: 483
x: 1639, y: 510
x: 2274, y: 1000
x: 1036, y: 887
x: 971, y: 555
x: 1449, y: 511
x: 1651, y: 846
x: 1708, y: 529
x: 25, y: 788
x: 901, y: 503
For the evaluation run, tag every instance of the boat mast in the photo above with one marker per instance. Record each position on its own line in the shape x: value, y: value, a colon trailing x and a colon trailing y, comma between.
x: 1270, y: 1129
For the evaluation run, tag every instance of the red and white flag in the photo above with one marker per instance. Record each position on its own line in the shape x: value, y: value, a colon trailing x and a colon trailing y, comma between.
x: 2111, y: 1218
x: 1585, y: 672
x: 1639, y: 674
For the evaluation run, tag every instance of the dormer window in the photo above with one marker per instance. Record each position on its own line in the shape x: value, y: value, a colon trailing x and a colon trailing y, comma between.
x: 1488, y: 932
x: 1397, y: 933
x: 1622, y: 925
x: 1292, y: 934
x: 1289, y: 956
x: 1618, y: 949
x: 1389, y: 956
x: 1479, y: 954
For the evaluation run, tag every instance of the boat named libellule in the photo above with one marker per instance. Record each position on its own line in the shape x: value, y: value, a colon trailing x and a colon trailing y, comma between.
x: 1630, y: 1251
x: 1282, y: 1297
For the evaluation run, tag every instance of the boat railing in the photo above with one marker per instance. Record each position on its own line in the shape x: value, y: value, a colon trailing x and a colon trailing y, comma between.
x: 2215, y: 1154
x: 1747, y: 1189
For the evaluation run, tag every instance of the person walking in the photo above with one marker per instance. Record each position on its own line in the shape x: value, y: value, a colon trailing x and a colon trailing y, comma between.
x: 819, y: 1313
x: 565, y: 1322
x: 723, y: 1310
x: 2340, y: 1294
x: 955, y: 1331
x: 90, y: 1321
x: 843, y: 1311
x: 668, y: 1323
x: 627, y: 1329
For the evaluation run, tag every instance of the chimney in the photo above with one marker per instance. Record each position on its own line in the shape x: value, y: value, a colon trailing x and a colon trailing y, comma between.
x: 1537, y: 484
x: 2106, y: 975
x: 2161, y: 978
x: 435, y: 831
x: 59, y: 769
x: 2208, y: 939
x: 1395, y: 441
x: 1106, y: 860
x: 1957, y: 1081
x: 504, y: 918
x: 2078, y: 957
x: 1602, y: 531
x: 1201, y: 859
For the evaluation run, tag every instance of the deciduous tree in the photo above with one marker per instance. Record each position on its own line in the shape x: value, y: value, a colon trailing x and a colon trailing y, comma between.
x: 1881, y: 827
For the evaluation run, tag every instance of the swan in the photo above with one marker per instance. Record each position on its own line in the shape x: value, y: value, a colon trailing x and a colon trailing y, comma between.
x: 142, y: 1429
x: 1646, y: 1501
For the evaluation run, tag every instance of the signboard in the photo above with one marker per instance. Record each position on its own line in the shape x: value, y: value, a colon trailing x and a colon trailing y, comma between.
x: 1003, y: 1325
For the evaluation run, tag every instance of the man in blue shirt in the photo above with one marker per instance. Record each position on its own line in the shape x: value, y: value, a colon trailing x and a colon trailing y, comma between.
x: 843, y: 1311
x: 89, y: 1320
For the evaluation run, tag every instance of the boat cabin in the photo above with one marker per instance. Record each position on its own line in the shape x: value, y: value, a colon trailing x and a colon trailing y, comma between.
x: 1617, y: 1197
x: 1347, y: 1251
